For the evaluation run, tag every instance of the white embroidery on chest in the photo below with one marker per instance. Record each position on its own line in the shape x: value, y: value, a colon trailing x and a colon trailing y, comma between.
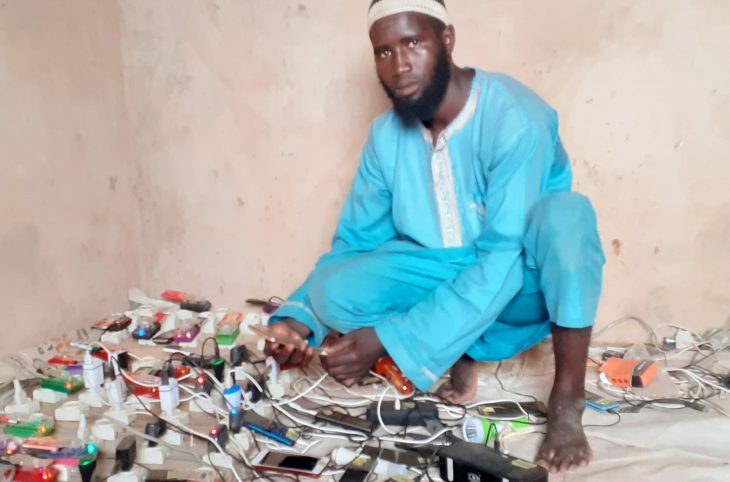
x: 443, y: 175
x: 444, y: 189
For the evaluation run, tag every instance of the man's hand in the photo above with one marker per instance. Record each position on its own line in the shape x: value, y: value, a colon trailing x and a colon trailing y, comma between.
x: 351, y: 357
x: 299, y: 354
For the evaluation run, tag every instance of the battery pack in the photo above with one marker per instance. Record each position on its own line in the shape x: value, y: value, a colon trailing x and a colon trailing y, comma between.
x: 468, y: 462
x: 629, y: 373
x: 409, y: 413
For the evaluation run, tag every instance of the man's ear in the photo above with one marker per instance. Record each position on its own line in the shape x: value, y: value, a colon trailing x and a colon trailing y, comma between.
x: 449, y: 38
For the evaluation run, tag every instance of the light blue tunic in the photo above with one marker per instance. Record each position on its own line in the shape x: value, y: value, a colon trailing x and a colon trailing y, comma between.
x: 440, y: 247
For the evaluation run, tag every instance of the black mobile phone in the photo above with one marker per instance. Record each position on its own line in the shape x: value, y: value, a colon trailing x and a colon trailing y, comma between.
x: 359, y: 470
x: 164, y: 338
x: 344, y: 420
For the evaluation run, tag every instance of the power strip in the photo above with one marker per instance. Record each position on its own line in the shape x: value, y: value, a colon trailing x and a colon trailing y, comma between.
x: 409, y: 413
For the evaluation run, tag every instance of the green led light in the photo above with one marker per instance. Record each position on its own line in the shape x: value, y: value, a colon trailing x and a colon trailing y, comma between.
x: 86, y: 462
x: 219, y: 362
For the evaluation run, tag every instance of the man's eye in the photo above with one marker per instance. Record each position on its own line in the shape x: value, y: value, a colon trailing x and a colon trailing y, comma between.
x: 384, y: 54
x: 414, y: 42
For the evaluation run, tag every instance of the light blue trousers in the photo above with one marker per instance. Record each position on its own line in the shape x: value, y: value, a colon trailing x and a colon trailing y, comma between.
x: 563, y: 263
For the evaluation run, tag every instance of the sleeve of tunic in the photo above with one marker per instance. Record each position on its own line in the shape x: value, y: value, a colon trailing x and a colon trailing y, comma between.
x: 365, y: 223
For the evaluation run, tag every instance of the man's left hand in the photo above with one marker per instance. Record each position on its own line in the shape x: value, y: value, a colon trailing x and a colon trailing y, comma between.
x: 351, y: 357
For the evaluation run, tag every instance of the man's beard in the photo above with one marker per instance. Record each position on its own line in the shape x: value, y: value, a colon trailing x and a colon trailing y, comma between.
x: 424, y: 107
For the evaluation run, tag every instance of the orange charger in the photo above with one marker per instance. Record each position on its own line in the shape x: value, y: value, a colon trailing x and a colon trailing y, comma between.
x: 629, y: 373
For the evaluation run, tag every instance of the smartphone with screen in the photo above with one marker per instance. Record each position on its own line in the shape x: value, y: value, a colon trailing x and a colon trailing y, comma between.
x: 344, y: 420
x: 602, y: 404
x: 305, y: 465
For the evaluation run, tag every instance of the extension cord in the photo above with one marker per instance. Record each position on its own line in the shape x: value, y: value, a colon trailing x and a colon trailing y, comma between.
x: 92, y: 399
x: 136, y: 474
x: 46, y: 395
x: 22, y: 405
x: 115, y: 338
x: 178, y: 417
x: 140, y: 403
x: 152, y: 455
x: 218, y: 459
x: 65, y: 472
x: 27, y: 408
x: 276, y: 390
x: 71, y: 411
x: 409, y: 413
x: 173, y: 438
x: 123, y: 416
x: 104, y: 429
x: 243, y: 439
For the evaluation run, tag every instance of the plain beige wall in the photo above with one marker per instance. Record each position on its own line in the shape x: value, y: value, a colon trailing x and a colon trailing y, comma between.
x: 69, y: 228
x: 236, y: 127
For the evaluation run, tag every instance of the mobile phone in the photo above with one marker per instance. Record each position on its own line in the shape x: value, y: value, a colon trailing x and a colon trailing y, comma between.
x: 269, y: 428
x: 112, y: 324
x: 289, y: 464
x: 187, y: 333
x: 602, y: 404
x: 164, y: 338
x: 146, y: 330
x: 344, y: 420
x: 359, y: 469
x: 512, y: 409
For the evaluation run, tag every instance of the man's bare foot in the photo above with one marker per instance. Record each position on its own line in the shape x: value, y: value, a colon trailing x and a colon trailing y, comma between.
x: 462, y: 387
x: 565, y: 447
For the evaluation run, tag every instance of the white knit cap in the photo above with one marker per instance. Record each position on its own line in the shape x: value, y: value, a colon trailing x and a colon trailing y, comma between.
x: 385, y: 8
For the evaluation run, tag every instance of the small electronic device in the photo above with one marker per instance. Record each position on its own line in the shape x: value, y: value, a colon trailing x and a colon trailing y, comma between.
x: 187, y: 332
x: 409, y: 413
x: 112, y: 324
x: 468, y: 462
x: 144, y: 385
x: 386, y: 367
x: 220, y: 434
x: 228, y: 329
x: 165, y: 338
x: 63, y: 385
x: 146, y: 330
x: 344, y: 420
x: 289, y: 463
x: 507, y: 409
x: 187, y: 301
x: 35, y: 474
x: 602, y: 404
x: 269, y: 428
x: 627, y: 373
x: 62, y: 360
x: 28, y: 428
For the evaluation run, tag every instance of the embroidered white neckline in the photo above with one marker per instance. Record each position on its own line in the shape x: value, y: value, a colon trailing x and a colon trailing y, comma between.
x: 442, y: 171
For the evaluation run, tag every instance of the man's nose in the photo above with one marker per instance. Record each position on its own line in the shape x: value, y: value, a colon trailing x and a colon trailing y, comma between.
x: 402, y: 62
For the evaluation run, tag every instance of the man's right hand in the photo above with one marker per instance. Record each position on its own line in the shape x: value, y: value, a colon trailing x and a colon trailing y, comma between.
x: 289, y: 354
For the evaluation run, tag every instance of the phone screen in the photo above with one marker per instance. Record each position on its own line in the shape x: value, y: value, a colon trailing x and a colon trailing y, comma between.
x: 299, y: 462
